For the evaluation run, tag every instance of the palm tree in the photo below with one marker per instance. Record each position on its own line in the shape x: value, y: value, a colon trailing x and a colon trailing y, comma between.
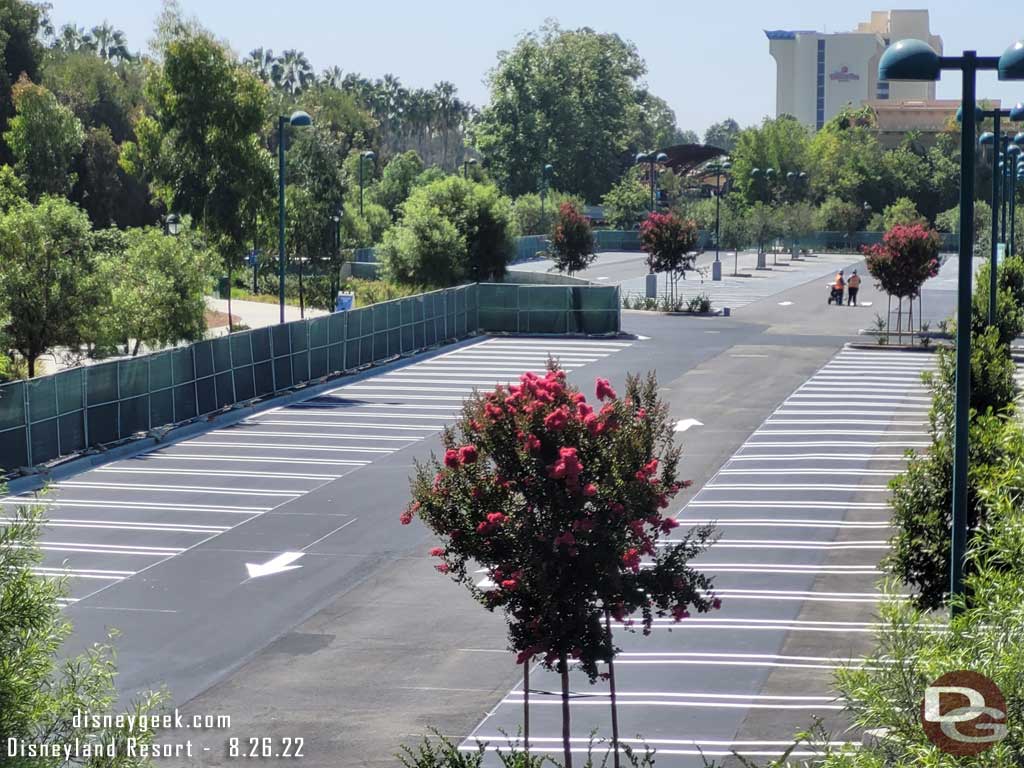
x: 449, y: 114
x: 333, y: 77
x: 262, y: 63
x: 72, y: 38
x: 296, y: 71
x: 110, y: 43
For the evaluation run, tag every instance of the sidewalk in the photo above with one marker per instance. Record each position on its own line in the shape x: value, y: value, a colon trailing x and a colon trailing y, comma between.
x: 256, y: 314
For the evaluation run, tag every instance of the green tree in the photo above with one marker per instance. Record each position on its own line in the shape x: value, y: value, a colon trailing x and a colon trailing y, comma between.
x: 205, y: 157
x: 397, y: 181
x: 47, y: 283
x: 450, y: 231
x: 901, y: 211
x: 763, y: 224
x: 156, y: 284
x: 568, y: 98
x: 797, y: 221
x: 12, y: 189
x: 780, y: 144
x: 627, y: 201
x: 723, y: 135
x: 529, y: 217
x: 655, y: 126
x: 846, y: 160
x: 44, y: 138
x: 39, y: 692
x: 20, y: 54
x: 836, y: 215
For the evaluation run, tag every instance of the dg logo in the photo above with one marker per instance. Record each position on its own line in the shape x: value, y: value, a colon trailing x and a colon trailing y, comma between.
x: 963, y: 713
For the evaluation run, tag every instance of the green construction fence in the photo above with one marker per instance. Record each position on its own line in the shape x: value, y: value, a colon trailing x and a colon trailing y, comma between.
x: 48, y: 417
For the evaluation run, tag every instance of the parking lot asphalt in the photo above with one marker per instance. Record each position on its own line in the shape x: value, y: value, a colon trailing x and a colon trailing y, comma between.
x: 803, y: 516
x: 364, y: 647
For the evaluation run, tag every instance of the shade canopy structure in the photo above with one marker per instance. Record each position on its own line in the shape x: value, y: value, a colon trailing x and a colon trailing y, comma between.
x: 683, y: 158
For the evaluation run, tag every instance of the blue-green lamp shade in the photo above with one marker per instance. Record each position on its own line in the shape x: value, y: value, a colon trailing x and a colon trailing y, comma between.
x: 979, y: 113
x: 909, y: 60
x: 549, y: 169
x: 662, y: 157
x: 1017, y: 112
x: 1011, y: 63
x: 1013, y: 149
x: 755, y: 172
x: 986, y: 138
x: 769, y: 172
x: 300, y: 118
x: 1019, y: 138
x: 642, y: 157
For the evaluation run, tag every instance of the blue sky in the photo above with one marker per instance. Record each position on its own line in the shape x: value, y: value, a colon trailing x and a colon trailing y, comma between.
x: 709, y: 60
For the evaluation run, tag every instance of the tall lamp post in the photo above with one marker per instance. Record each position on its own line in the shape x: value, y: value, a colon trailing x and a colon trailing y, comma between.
x: 757, y: 174
x: 367, y: 155
x: 719, y: 169
x: 545, y: 180
x: 653, y: 159
x: 465, y: 166
x: 914, y: 60
x: 1012, y: 161
x: 298, y: 119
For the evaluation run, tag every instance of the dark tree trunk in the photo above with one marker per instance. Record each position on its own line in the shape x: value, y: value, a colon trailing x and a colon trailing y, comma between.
x: 526, y: 705
x: 566, y: 716
x: 611, y: 691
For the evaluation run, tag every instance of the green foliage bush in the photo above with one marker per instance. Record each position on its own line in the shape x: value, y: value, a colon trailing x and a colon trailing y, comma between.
x: 922, y: 496
x: 627, y: 201
x: 450, y: 231
x: 528, y: 218
x: 39, y: 691
x: 1009, y: 299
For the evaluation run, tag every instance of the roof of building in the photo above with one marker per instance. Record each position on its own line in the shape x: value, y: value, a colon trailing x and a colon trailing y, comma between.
x: 786, y: 34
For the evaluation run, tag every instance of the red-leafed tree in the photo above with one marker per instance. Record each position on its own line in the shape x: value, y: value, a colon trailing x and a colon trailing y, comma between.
x: 561, y: 502
x: 907, y: 256
x: 668, y: 240
x: 572, y: 241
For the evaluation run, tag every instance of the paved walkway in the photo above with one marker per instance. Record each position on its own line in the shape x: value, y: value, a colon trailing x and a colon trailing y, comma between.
x: 256, y: 314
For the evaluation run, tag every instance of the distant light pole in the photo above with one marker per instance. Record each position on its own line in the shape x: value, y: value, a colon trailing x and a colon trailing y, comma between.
x: 298, y: 119
x: 914, y: 60
x: 653, y: 159
x: 719, y: 169
x: 545, y: 180
x: 367, y: 155
x: 465, y: 166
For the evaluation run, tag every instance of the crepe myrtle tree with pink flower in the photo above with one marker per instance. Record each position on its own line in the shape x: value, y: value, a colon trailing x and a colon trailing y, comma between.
x: 564, y: 504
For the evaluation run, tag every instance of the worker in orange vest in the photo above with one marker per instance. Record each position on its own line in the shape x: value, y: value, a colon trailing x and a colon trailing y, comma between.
x: 837, y: 289
x: 853, y: 284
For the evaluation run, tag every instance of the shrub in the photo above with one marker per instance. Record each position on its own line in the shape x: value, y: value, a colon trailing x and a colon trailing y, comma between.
x: 922, y: 497
x: 1009, y: 299
x: 40, y: 688
x: 572, y: 242
x: 699, y: 303
x: 450, y: 231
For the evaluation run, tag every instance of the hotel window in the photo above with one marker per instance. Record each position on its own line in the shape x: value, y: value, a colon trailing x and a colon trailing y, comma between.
x: 820, y: 113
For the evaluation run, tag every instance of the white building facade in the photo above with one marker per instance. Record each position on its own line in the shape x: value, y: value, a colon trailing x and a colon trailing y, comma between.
x: 819, y: 73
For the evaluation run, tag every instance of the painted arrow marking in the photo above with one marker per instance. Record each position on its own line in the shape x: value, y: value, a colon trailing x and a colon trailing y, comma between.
x: 684, y: 424
x: 785, y: 303
x: 278, y: 564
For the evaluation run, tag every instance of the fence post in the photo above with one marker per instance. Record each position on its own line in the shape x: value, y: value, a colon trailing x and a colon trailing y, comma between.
x: 231, y: 368
x: 195, y: 377
x: 309, y: 352
x: 85, y: 405
x: 26, y: 404
x: 149, y: 393
x: 252, y: 359
x: 117, y: 375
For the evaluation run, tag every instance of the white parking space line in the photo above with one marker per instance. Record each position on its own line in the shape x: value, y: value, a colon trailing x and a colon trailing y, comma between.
x: 774, y: 522
x: 317, y: 436
x: 57, y: 522
x: 239, y: 473
x: 268, y: 459
x: 173, y: 488
x: 285, y: 447
x: 141, y: 505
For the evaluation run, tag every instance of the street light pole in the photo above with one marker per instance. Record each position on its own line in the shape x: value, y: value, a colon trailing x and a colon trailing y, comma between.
x: 545, y: 179
x: 367, y: 155
x: 298, y: 119
x: 914, y: 60
x: 465, y: 167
